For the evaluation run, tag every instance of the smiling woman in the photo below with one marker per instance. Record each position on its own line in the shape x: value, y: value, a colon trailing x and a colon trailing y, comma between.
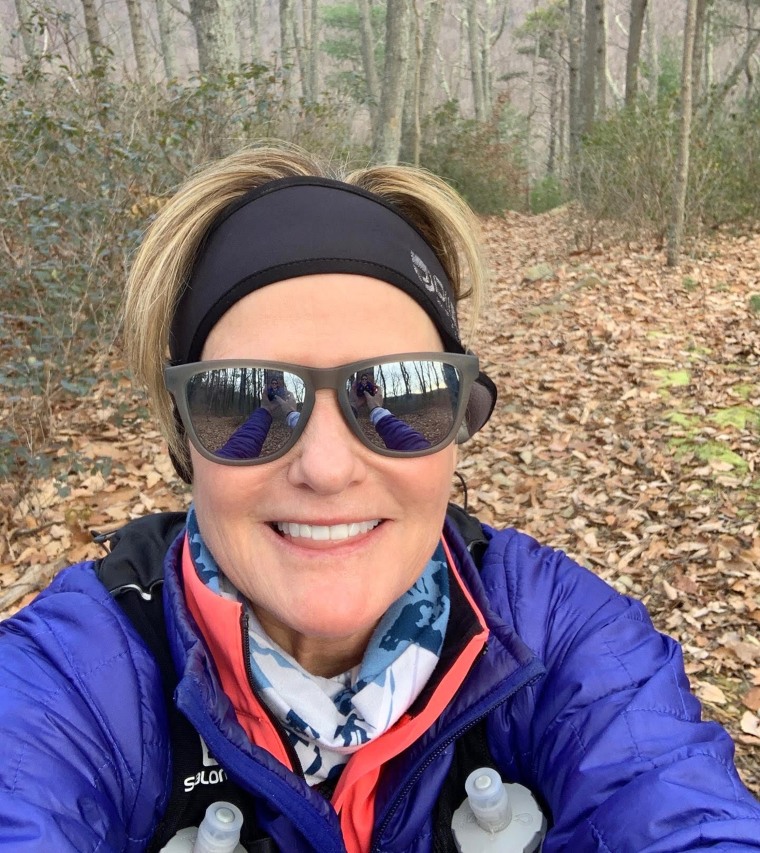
x: 322, y: 640
x: 318, y: 596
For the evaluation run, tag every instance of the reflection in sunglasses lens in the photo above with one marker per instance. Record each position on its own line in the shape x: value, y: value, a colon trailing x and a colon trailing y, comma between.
x: 241, y: 413
x: 421, y: 397
x: 247, y: 412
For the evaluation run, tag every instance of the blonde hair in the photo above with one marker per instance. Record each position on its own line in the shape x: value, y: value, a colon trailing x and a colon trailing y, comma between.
x: 170, y: 247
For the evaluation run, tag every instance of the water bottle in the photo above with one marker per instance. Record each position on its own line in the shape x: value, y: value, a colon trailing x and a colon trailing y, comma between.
x: 497, y: 817
x: 219, y: 832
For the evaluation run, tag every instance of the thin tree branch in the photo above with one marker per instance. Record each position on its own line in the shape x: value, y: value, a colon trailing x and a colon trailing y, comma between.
x: 177, y: 8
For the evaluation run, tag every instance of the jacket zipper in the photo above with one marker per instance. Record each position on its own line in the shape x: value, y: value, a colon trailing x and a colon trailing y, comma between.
x: 439, y: 750
x: 294, y: 760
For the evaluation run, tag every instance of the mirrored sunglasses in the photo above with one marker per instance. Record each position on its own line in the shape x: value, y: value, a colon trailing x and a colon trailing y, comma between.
x: 250, y: 412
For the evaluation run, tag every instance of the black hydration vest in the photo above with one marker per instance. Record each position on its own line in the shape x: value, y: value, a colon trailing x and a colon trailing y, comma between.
x: 133, y: 574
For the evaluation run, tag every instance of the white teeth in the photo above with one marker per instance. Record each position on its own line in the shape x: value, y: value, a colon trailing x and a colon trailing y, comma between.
x: 339, y: 531
x: 323, y: 533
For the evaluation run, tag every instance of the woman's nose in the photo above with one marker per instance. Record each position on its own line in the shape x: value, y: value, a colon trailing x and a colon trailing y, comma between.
x: 327, y: 457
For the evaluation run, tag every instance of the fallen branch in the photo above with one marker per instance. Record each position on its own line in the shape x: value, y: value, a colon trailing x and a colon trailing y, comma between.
x: 34, y: 579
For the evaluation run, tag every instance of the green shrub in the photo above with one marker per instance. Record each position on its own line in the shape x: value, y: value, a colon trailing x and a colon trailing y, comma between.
x: 341, y: 41
x: 627, y: 167
x: 727, y: 177
x: 484, y: 162
x: 546, y: 194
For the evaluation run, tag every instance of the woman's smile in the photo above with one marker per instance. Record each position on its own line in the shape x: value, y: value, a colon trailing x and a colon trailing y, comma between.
x: 325, y: 532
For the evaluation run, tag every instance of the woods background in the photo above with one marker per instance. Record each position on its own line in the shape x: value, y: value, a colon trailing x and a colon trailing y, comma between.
x: 613, y: 150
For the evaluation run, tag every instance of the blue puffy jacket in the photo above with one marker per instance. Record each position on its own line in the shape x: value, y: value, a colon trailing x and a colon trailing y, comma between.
x: 585, y: 704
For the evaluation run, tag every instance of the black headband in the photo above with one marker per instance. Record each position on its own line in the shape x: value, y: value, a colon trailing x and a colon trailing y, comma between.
x: 303, y: 226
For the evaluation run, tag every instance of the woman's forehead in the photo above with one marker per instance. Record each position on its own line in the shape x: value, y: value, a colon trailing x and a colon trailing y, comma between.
x: 322, y: 319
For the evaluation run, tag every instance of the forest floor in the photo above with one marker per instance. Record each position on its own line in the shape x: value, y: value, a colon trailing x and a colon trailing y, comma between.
x: 627, y: 433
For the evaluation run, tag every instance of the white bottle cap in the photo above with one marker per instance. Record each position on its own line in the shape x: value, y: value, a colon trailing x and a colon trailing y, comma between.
x: 488, y: 799
x: 219, y: 831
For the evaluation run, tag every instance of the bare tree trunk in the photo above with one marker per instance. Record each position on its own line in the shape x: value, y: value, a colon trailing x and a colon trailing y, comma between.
x: 476, y: 68
x: 588, y: 67
x: 454, y: 86
x: 429, y: 45
x: 410, y: 125
x: 562, y: 129
x: 254, y: 14
x: 198, y: 17
x: 25, y: 27
x: 653, y: 55
x: 710, y: 48
x: 748, y: 9
x: 492, y: 39
x: 554, y: 96
x: 601, y: 58
x: 241, y: 14
x: 165, y: 34
x: 485, y: 51
x: 675, y: 236
x: 370, y: 68
x: 306, y: 50
x: 139, y: 44
x: 313, y: 54
x: 215, y: 35
x: 699, y: 49
x: 94, y: 38
x: 574, y: 104
x: 635, y: 30
x: 529, y: 117
x: 287, y: 48
x: 394, y: 76
x: 299, y: 50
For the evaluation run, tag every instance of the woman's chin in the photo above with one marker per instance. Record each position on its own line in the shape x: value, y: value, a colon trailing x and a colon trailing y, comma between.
x: 334, y: 621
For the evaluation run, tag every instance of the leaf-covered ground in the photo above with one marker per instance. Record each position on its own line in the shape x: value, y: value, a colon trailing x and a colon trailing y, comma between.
x: 627, y: 434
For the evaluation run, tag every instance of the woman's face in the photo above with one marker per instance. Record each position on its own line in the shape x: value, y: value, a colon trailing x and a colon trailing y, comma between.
x: 321, y: 598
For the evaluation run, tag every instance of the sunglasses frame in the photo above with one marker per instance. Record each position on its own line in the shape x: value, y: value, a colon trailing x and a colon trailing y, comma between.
x: 177, y: 379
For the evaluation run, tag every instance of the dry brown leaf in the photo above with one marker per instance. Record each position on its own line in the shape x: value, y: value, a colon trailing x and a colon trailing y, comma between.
x: 711, y: 693
x: 747, y: 653
x: 751, y: 699
x: 750, y: 724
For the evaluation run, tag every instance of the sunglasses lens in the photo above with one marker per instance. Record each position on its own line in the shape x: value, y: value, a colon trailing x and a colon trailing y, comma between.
x: 253, y: 413
x: 244, y: 412
x: 422, y: 398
